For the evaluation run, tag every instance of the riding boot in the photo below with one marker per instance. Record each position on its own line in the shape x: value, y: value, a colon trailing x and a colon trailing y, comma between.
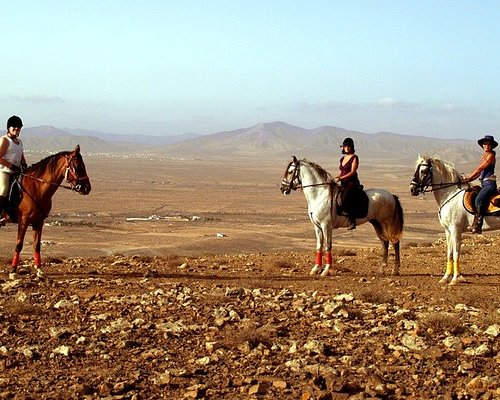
x: 3, y: 204
x: 352, y: 223
x: 478, y: 225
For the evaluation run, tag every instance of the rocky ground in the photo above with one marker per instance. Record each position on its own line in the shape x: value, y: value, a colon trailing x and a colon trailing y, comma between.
x: 242, y: 326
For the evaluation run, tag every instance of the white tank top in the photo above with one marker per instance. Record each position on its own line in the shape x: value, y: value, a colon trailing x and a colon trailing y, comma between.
x: 13, y: 154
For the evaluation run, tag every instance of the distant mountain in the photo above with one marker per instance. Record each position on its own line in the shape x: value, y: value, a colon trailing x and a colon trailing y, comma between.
x: 282, y: 139
x: 50, y: 139
x: 273, y: 139
x: 149, y: 140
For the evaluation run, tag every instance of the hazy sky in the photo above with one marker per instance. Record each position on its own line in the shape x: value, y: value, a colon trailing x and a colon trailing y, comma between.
x: 169, y: 67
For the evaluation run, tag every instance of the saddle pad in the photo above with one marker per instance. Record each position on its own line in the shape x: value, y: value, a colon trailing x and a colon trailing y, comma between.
x: 470, y: 196
x: 359, y: 203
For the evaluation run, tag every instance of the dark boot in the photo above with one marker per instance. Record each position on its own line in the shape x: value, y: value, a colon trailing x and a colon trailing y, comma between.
x: 3, y: 204
x: 478, y: 224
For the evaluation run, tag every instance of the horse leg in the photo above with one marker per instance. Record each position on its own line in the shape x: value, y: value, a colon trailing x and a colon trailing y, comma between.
x: 328, y: 265
x: 385, y: 255
x: 449, y: 257
x: 37, y: 245
x: 319, y: 250
x: 385, y: 243
x: 456, y: 244
x: 21, y: 232
x: 397, y: 258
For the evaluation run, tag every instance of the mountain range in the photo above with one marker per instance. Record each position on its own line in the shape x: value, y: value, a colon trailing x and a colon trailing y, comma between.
x: 264, y: 139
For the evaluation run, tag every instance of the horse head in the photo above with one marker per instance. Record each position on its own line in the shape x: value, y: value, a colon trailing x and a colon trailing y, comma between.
x: 291, y: 178
x: 76, y: 173
x: 422, y: 178
x: 438, y: 175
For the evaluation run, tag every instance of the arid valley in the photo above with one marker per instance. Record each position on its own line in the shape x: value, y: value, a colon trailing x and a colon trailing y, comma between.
x: 188, y: 277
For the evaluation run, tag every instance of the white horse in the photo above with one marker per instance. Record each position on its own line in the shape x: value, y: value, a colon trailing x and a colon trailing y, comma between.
x: 442, y: 179
x: 384, y: 211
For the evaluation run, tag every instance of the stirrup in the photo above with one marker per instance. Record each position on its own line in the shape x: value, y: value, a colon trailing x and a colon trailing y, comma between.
x: 352, y: 224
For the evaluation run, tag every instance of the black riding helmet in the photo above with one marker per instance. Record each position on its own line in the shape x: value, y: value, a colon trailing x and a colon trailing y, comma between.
x: 348, y: 142
x: 15, y: 122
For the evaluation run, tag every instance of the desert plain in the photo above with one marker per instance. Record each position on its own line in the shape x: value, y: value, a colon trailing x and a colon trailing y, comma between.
x: 182, y: 277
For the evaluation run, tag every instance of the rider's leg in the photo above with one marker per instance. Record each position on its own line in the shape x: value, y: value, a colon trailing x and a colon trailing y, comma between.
x: 4, y: 191
x: 348, y: 204
x: 3, y: 203
x: 481, y: 202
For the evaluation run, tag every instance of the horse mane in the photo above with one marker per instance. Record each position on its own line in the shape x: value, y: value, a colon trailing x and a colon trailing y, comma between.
x: 48, y: 164
x: 445, y: 168
x: 322, y: 173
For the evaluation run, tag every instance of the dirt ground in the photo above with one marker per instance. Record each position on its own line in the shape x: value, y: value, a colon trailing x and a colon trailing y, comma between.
x: 189, y: 278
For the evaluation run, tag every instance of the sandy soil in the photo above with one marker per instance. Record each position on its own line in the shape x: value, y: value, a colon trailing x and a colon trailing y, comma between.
x: 220, y: 234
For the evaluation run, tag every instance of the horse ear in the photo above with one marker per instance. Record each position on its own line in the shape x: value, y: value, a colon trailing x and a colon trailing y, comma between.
x: 294, y: 159
x: 77, y: 149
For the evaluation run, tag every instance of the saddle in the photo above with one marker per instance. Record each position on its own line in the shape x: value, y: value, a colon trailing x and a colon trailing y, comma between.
x: 470, y: 196
x: 358, y: 202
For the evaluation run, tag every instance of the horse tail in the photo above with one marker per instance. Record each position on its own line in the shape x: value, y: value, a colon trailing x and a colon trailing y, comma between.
x: 394, y: 230
x: 398, y: 218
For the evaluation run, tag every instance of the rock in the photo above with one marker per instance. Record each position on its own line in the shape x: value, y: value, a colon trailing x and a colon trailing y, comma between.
x: 258, y: 389
x: 452, y: 342
x: 493, y: 330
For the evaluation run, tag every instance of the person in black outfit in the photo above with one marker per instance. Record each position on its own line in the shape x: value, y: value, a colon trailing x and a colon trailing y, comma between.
x: 349, y: 180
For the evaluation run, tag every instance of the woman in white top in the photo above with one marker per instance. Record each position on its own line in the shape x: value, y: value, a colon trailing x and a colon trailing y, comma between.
x: 11, y: 157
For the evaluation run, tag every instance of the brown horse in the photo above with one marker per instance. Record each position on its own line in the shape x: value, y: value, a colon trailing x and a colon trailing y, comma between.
x: 38, y: 184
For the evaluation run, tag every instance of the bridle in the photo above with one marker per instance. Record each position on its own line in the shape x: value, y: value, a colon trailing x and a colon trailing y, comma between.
x: 425, y: 185
x: 295, y: 181
x: 73, y: 180
x: 71, y: 171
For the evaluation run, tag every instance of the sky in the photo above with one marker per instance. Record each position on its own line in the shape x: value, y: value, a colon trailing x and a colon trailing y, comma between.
x: 168, y: 67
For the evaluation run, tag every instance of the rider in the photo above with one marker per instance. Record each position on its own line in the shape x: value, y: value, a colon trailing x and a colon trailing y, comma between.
x: 11, y: 157
x: 349, y: 180
x: 486, y: 173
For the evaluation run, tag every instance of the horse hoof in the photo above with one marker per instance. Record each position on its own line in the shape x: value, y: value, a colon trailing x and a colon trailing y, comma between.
x: 457, y: 280
x: 39, y: 273
x: 444, y: 279
x: 315, y: 270
x: 326, y: 271
x: 12, y: 276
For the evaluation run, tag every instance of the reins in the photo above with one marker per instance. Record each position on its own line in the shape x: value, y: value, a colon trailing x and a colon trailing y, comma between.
x: 48, y: 182
x: 442, y: 185
x: 314, y: 184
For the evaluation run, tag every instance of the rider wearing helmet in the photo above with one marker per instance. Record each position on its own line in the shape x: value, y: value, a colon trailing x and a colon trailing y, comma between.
x: 349, y: 180
x: 486, y: 174
x: 11, y: 157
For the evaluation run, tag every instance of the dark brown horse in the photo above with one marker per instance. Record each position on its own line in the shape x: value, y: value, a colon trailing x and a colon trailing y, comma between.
x: 38, y: 184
